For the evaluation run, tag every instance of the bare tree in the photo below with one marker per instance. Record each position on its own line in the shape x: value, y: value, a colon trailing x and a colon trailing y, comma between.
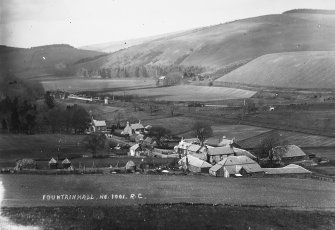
x: 202, y: 130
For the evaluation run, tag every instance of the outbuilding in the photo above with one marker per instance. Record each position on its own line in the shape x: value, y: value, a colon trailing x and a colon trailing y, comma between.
x: 53, y: 164
x: 135, y: 150
x: 66, y: 163
x: 289, y: 153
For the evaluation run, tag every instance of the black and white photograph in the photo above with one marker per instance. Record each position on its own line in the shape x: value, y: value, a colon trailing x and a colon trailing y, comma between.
x: 167, y: 114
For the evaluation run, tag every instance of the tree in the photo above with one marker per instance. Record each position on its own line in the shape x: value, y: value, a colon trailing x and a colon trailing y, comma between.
x: 49, y: 100
x: 94, y: 142
x: 158, y: 132
x: 265, y: 148
x: 80, y: 119
x: 202, y: 130
x: 172, y: 108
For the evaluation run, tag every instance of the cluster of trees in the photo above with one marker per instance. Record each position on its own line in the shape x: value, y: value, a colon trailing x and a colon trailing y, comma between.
x: 25, y: 116
x: 143, y: 71
x: 67, y: 119
x: 18, y: 117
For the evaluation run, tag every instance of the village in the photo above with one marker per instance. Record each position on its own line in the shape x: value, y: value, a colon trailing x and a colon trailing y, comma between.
x: 143, y: 148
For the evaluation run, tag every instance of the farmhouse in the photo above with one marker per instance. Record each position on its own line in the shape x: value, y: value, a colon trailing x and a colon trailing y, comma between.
x: 217, y: 154
x: 184, y: 144
x: 131, y: 129
x: 98, y: 126
x: 235, y: 165
x: 194, y: 164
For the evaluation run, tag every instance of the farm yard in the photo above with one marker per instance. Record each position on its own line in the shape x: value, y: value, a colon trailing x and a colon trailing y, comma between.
x: 189, y: 93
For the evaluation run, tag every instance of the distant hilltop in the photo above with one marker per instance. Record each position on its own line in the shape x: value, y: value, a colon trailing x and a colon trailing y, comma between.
x: 309, y: 11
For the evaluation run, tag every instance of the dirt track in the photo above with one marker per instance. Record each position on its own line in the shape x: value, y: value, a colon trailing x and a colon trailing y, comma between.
x: 28, y: 190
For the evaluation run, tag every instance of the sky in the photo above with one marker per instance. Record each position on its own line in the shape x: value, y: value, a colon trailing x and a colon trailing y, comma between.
x: 28, y: 23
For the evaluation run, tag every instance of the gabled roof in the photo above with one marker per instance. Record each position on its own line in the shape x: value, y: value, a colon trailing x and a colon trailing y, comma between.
x: 134, y: 147
x: 52, y: 161
x: 66, y: 161
x: 127, y: 130
x: 99, y: 123
x: 136, y: 126
x: 289, y: 151
x: 220, y: 151
x: 148, y: 127
x: 242, y: 152
x: 148, y: 140
x: 235, y: 163
x: 216, y: 167
x: 191, y: 140
x: 194, y: 148
x: 194, y: 161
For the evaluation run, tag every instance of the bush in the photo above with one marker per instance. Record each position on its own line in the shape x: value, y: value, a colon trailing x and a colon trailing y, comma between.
x: 25, y: 164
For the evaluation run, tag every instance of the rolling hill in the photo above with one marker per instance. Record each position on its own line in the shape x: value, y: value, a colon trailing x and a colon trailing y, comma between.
x: 308, y: 69
x: 42, y: 60
x: 110, y: 47
x: 216, y: 47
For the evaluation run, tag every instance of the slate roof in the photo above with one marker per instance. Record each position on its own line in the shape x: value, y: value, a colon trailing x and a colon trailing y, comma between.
x: 194, y: 161
x: 289, y: 151
x: 234, y: 164
x: 220, y: 151
x: 136, y: 126
x: 99, y: 123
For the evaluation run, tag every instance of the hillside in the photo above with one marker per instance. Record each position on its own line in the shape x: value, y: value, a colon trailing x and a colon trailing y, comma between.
x: 216, y: 47
x: 110, y: 47
x: 309, y: 69
x: 51, y: 59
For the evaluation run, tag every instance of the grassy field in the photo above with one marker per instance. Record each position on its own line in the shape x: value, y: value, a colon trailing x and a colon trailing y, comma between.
x: 38, y: 146
x: 312, y: 69
x: 300, y: 139
x: 190, y: 93
x: 81, y: 84
x: 28, y: 190
x: 178, y: 216
x: 328, y: 153
x: 310, y: 119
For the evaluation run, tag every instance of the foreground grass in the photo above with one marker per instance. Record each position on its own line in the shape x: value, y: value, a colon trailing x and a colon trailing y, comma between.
x: 170, y: 216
